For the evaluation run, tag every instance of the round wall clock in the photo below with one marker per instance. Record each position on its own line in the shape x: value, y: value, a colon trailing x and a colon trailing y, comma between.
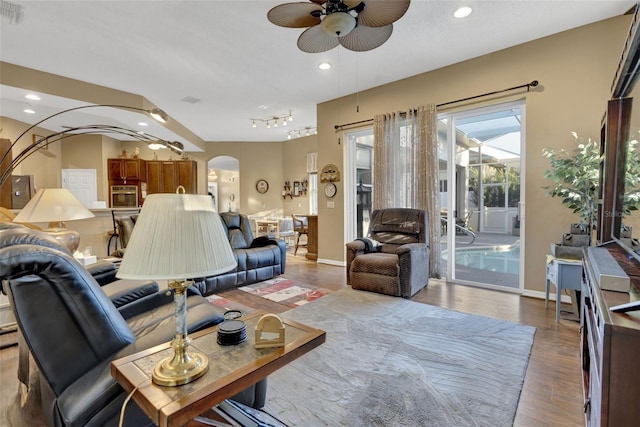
x: 330, y: 190
x: 262, y: 186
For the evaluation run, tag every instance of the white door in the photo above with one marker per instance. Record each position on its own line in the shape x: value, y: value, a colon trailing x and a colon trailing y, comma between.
x: 82, y: 183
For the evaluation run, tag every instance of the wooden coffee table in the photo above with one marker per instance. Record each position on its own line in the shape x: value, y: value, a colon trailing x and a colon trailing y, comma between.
x: 231, y: 370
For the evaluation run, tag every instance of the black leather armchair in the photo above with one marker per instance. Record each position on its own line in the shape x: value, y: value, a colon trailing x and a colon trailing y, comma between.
x: 258, y: 259
x: 395, y: 258
x: 74, y: 331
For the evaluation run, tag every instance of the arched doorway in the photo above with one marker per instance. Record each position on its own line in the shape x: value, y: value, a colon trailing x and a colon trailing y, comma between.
x: 223, y: 183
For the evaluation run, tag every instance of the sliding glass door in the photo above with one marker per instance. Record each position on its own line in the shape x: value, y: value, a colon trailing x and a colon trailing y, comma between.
x: 480, y: 195
x: 358, y: 182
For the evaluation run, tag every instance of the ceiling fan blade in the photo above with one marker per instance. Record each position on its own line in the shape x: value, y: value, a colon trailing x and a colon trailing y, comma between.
x: 294, y: 15
x: 378, y: 13
x: 316, y: 40
x: 364, y: 38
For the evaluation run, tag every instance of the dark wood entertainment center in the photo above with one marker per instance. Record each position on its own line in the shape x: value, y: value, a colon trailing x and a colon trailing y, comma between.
x: 610, y: 341
x: 610, y: 347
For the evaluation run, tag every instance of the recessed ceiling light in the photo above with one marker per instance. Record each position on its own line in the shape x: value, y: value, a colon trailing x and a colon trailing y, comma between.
x: 29, y: 110
x: 32, y: 96
x: 143, y: 124
x: 462, y: 12
x: 324, y: 66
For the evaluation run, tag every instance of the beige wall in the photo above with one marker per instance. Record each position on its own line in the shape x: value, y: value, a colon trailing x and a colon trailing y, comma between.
x: 273, y: 161
x: 257, y: 160
x: 575, y: 70
x: 44, y: 166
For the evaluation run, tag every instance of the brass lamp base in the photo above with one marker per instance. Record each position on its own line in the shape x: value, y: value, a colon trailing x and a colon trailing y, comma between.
x: 182, y: 368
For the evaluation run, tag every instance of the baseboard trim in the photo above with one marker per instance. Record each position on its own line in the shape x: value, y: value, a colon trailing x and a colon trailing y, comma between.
x: 540, y: 295
x: 331, y: 262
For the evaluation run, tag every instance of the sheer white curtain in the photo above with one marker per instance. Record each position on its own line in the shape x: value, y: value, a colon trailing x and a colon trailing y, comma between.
x: 405, y: 170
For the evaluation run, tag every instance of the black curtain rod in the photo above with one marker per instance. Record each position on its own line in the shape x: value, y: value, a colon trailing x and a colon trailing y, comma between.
x: 527, y: 85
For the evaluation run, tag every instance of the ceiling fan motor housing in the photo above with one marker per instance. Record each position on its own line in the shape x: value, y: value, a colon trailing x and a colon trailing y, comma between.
x: 338, y: 24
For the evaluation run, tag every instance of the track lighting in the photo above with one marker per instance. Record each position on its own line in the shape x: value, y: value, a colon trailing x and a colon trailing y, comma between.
x: 298, y: 132
x: 275, y: 119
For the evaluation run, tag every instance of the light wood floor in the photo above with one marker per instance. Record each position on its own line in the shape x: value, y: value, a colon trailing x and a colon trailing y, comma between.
x: 552, y: 393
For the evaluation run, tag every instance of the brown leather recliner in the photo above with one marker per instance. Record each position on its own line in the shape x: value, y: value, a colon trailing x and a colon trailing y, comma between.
x: 394, y: 259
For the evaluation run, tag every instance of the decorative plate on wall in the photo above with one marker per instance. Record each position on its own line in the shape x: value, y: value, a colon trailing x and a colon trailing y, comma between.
x: 330, y: 190
x: 262, y: 186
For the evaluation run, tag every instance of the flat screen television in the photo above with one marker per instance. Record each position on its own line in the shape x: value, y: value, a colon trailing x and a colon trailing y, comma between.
x: 622, y: 125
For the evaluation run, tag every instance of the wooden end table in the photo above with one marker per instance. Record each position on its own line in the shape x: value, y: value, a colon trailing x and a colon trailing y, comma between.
x: 231, y: 370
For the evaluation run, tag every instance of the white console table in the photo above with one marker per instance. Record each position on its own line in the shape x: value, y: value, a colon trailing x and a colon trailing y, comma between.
x: 564, y: 274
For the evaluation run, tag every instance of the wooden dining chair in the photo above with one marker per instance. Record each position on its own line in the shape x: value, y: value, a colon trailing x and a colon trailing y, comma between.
x: 300, y: 228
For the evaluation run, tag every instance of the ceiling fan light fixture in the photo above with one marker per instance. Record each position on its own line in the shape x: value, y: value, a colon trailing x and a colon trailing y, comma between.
x: 338, y: 24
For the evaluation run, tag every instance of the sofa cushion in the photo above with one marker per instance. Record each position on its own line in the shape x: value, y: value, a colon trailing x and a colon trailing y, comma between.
x: 396, y: 227
x: 238, y: 229
x: 125, y: 291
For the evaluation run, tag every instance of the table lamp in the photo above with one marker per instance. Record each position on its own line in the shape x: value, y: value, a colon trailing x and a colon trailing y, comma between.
x: 177, y: 237
x: 55, y: 206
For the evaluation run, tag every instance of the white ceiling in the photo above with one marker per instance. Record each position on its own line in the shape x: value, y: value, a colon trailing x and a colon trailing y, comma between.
x: 239, y: 66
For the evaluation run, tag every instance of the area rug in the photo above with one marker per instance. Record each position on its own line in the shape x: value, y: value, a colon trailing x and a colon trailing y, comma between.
x: 388, y: 361
x: 285, y: 291
x: 228, y: 304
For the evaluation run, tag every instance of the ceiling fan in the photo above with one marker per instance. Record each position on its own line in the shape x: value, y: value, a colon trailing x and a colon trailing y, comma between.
x: 354, y: 24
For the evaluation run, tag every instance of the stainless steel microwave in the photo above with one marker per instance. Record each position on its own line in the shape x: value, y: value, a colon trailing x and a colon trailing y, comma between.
x: 124, y: 196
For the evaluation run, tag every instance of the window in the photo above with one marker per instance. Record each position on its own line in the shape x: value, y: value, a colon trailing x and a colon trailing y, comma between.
x: 313, y: 193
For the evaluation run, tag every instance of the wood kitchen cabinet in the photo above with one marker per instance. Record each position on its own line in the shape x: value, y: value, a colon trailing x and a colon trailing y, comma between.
x: 123, y: 170
x: 154, y: 177
x: 166, y: 176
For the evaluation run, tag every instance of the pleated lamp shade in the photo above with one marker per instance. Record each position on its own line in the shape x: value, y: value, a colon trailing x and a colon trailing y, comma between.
x: 177, y: 236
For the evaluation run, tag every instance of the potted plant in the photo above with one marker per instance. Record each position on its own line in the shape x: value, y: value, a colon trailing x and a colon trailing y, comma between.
x: 575, y: 179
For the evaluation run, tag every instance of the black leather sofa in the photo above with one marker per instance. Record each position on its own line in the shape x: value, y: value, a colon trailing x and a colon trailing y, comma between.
x: 74, y: 331
x: 258, y: 259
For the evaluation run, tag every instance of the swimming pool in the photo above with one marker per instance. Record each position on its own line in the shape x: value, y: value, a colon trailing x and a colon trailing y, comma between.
x: 500, y: 259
